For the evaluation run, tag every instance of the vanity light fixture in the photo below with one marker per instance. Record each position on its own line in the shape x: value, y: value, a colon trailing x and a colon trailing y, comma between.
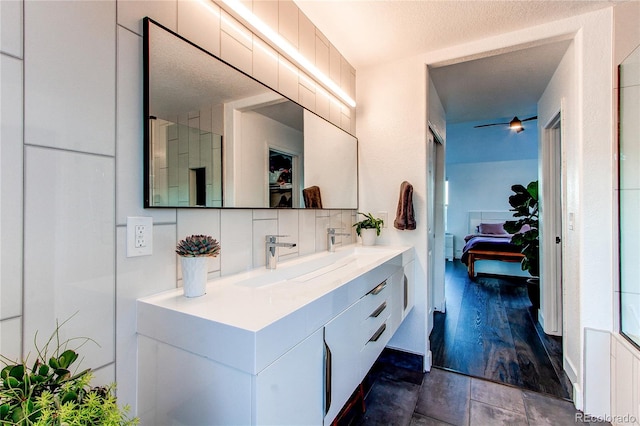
x: 288, y: 49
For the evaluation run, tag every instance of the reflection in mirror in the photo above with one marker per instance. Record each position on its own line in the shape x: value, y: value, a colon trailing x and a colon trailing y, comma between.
x: 629, y: 158
x: 215, y: 137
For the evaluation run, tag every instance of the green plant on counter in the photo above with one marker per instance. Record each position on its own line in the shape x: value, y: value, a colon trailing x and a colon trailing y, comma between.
x: 197, y: 246
x: 48, y: 393
x: 369, y: 223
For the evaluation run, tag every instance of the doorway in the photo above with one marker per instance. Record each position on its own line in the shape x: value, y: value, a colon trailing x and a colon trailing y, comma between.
x: 551, y: 232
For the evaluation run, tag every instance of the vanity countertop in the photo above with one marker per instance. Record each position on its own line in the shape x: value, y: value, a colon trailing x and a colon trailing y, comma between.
x: 266, y: 312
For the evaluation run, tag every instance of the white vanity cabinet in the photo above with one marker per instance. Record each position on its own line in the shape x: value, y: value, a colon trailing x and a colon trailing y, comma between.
x: 290, y: 391
x: 264, y: 349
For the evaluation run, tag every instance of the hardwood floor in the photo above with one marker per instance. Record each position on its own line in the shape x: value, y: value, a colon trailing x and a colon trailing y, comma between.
x: 488, y: 331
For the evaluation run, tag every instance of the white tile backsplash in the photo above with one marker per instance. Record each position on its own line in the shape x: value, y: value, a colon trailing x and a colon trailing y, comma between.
x: 70, y: 100
x: 131, y: 12
x: 11, y: 27
x: 138, y: 277
x: 83, y: 96
x: 265, y: 63
x: 11, y: 338
x: 69, y: 249
x: 199, y: 22
x: 306, y: 232
x: 236, y: 239
x: 129, y: 150
x: 236, y: 43
x: 10, y: 186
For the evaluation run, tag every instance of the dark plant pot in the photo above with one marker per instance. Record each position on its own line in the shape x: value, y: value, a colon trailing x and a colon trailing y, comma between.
x: 533, y: 288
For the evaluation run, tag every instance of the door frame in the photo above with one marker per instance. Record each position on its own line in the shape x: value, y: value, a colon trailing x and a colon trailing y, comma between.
x: 552, y: 196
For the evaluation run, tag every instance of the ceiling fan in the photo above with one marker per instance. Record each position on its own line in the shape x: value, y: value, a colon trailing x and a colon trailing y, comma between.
x: 515, y: 124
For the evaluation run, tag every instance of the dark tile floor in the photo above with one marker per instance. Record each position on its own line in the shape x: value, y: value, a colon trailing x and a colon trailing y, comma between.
x: 398, y: 393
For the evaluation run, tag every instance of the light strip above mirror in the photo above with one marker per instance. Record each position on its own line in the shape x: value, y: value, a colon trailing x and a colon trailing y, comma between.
x: 266, y: 31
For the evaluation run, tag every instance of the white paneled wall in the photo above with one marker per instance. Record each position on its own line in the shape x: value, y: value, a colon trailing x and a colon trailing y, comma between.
x: 11, y: 103
x: 80, y: 87
x: 625, y: 382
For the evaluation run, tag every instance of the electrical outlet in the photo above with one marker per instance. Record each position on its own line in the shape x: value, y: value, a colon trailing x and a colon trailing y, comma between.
x: 139, y: 236
x: 384, y: 216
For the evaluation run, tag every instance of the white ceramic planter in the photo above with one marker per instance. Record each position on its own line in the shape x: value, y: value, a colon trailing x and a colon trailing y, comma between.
x: 194, y: 275
x: 368, y: 236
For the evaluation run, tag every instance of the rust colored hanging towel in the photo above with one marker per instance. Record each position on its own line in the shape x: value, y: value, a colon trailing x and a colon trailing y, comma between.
x: 404, y: 214
x: 312, y: 198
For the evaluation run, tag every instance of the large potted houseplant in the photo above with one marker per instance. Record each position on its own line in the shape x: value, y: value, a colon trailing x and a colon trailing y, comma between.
x: 369, y: 228
x: 47, y: 390
x: 194, y: 251
x: 524, y: 203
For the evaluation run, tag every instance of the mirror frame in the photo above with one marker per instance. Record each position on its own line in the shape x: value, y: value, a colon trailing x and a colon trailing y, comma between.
x: 147, y: 134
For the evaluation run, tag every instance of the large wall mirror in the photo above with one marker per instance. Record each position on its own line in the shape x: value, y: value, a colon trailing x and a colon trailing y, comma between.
x: 215, y: 137
x: 629, y: 158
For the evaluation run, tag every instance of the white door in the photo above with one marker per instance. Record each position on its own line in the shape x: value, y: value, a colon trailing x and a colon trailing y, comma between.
x: 431, y: 220
x: 551, y: 223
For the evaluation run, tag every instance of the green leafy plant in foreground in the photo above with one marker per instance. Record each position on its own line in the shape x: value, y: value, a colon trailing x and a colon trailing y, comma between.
x: 48, y: 393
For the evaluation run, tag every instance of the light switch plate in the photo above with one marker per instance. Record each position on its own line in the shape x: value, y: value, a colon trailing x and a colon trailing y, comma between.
x: 139, y: 236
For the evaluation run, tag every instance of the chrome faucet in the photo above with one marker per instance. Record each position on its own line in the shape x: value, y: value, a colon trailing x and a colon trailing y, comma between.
x: 331, y: 238
x: 271, y: 252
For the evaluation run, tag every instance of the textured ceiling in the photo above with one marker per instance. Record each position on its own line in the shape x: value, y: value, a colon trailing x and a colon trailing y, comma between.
x: 369, y: 32
x: 505, y: 85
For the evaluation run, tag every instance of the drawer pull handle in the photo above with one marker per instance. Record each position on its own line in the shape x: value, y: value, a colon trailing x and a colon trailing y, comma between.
x: 378, y: 288
x: 406, y: 292
x: 378, y: 333
x: 378, y: 311
x: 328, y: 360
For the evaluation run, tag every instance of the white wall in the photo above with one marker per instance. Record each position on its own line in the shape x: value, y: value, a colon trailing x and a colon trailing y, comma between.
x: 259, y: 133
x: 82, y: 168
x: 624, y: 357
x: 482, y: 165
x: 482, y: 186
x: 391, y: 128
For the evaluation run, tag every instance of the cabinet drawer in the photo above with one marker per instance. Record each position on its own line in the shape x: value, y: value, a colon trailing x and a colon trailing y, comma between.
x: 374, y: 298
x: 374, y: 345
x: 374, y: 319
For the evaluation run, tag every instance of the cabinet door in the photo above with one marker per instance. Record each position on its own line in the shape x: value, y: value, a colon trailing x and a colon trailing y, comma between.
x: 290, y: 391
x: 343, y: 344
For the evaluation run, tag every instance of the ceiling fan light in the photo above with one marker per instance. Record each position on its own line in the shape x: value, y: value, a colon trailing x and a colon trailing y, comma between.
x: 516, y: 125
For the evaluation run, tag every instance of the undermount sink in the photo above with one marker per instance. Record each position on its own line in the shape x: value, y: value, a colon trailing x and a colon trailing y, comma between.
x: 305, y: 269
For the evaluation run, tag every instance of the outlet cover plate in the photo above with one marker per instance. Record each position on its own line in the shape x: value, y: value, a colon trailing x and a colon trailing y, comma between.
x: 139, y: 236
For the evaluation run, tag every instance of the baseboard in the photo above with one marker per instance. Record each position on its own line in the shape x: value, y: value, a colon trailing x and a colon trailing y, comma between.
x: 427, y: 361
x: 571, y: 370
x: 577, y: 396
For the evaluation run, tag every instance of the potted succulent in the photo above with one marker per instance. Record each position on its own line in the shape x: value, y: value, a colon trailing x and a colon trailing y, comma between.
x: 194, y: 251
x: 368, y: 229
x: 47, y: 392
x: 524, y: 203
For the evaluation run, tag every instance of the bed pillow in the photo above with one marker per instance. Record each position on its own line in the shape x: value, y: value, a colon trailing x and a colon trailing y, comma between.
x: 491, y: 228
x: 524, y: 228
